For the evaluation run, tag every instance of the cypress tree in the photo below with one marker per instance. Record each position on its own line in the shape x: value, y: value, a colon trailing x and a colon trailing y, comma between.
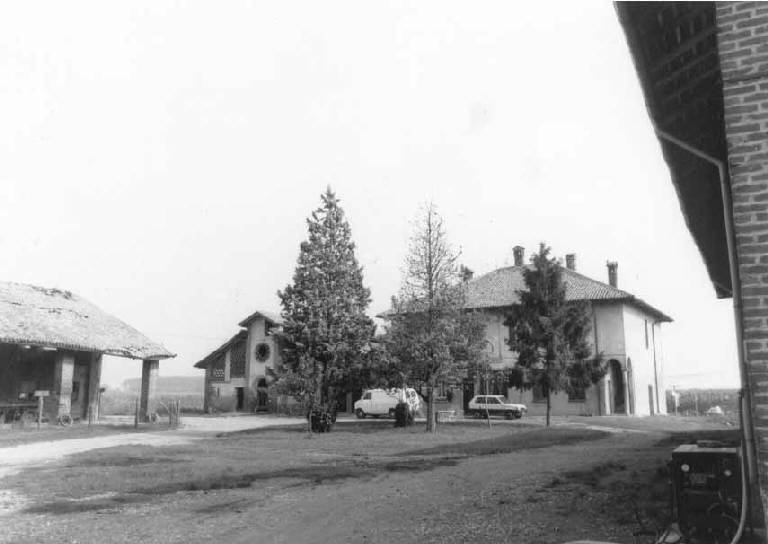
x: 550, y: 334
x: 326, y: 332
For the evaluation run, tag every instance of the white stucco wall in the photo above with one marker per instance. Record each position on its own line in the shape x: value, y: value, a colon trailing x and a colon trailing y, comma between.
x: 608, y: 330
x: 645, y: 371
x: 497, y: 335
x: 256, y: 369
x: 618, y: 331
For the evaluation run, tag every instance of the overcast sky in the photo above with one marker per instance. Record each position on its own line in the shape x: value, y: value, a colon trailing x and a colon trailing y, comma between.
x: 160, y: 158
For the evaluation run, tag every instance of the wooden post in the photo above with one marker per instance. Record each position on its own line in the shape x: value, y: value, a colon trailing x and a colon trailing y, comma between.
x: 40, y: 396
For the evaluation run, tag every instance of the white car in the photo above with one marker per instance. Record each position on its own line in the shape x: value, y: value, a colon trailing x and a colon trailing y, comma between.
x: 482, y: 405
x: 382, y: 402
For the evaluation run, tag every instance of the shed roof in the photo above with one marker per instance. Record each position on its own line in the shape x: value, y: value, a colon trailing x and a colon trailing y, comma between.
x: 499, y: 289
x: 674, y: 48
x: 46, y: 317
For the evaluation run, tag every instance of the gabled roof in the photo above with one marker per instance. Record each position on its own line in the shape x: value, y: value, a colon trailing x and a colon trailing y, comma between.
x: 269, y: 316
x: 37, y: 316
x: 499, y: 289
x: 208, y: 359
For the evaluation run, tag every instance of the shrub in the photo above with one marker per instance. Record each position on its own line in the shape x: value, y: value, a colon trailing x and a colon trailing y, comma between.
x: 403, y: 415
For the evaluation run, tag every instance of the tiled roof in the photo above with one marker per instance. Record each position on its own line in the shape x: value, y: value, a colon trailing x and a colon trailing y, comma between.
x: 269, y: 316
x: 205, y: 361
x: 499, y: 288
x: 39, y: 316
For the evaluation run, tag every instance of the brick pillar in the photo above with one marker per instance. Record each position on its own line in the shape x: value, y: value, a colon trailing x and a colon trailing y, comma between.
x: 742, y: 35
x: 149, y: 371
x: 59, y: 403
x: 94, y: 383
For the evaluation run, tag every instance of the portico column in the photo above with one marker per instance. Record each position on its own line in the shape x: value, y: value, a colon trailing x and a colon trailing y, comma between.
x: 59, y: 403
x: 626, y: 391
x: 149, y: 371
x: 94, y: 386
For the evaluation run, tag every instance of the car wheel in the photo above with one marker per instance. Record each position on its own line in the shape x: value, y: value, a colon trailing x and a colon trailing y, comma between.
x: 392, y: 413
x: 518, y: 415
x: 359, y: 413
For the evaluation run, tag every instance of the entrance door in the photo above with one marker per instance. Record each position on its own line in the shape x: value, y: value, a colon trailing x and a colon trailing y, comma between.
x: 79, y: 398
x: 468, y: 391
x: 261, y: 394
x: 617, y: 381
x: 240, y: 392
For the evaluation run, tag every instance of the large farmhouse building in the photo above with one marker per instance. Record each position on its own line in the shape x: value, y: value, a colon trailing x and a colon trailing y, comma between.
x: 238, y: 372
x: 626, y: 330
x: 52, y: 342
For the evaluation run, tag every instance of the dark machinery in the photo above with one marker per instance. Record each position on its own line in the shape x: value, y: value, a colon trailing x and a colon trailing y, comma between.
x: 707, y: 491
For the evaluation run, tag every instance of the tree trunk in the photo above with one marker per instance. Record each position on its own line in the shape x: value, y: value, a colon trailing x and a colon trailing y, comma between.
x: 430, y: 410
x: 549, y: 405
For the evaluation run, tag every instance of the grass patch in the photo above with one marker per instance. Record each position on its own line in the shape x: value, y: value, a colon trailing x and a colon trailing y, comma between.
x: 730, y: 437
x: 268, y: 460
x: 524, y: 440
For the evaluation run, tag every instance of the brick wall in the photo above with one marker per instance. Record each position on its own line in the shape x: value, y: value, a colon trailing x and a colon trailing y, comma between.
x: 743, y: 47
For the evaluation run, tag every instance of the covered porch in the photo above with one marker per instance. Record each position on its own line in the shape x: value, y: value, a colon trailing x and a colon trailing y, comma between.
x: 51, y: 348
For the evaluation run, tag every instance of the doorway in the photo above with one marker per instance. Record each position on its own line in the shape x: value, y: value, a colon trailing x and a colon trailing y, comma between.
x: 240, y: 394
x: 617, y: 386
x: 262, y: 396
x: 468, y: 391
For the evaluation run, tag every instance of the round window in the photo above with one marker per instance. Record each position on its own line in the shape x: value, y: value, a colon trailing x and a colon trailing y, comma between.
x: 261, y: 352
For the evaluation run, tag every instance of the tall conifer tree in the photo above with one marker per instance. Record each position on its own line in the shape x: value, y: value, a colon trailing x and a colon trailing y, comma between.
x: 550, y: 334
x: 326, y: 332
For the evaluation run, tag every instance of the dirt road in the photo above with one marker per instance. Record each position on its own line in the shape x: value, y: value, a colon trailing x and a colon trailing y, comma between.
x: 16, y: 458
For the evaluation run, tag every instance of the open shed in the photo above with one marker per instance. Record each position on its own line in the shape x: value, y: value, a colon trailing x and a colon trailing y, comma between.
x: 53, y: 340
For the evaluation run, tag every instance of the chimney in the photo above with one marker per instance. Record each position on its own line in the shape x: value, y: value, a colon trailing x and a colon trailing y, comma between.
x: 570, y: 261
x: 613, y: 279
x: 519, y: 253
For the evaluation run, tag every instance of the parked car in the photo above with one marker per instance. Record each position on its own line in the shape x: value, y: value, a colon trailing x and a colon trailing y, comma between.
x: 715, y: 411
x: 482, y: 405
x: 382, y: 402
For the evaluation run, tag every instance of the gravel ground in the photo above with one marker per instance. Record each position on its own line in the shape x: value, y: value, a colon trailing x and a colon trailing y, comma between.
x: 534, y: 496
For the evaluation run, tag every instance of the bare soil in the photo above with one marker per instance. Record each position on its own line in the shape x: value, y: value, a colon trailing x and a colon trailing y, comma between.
x: 364, y: 482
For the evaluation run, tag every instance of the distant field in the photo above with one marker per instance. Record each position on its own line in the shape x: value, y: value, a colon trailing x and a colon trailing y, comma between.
x: 187, y: 389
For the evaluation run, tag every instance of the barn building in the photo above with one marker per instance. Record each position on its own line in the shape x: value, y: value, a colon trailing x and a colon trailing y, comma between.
x: 703, y: 72
x: 238, y: 372
x: 52, y: 341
